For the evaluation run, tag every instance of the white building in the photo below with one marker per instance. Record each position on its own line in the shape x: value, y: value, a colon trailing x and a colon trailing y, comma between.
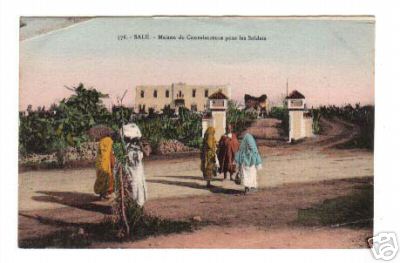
x: 193, y: 97
x: 300, y: 119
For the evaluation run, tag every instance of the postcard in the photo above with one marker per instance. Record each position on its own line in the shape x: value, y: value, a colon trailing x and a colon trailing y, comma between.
x: 196, y: 132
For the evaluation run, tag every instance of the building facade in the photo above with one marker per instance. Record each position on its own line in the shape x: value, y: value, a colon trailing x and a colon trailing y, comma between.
x: 193, y: 97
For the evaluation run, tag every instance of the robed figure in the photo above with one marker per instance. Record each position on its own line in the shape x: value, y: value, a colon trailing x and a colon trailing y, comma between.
x: 227, y: 147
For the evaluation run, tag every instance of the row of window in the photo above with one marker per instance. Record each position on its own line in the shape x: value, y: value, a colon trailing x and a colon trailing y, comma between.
x: 180, y: 95
x: 142, y: 107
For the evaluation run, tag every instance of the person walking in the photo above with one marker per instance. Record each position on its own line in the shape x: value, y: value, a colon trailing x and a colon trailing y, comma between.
x: 209, y: 160
x: 227, y: 147
x: 249, y: 161
x: 133, y: 168
x: 104, y: 184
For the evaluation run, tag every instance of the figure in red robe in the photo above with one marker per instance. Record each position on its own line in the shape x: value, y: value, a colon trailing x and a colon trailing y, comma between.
x: 227, y: 147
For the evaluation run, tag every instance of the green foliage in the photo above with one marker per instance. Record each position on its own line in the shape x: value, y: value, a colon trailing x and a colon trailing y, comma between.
x: 240, y: 119
x: 119, y: 116
x: 196, y: 142
x: 44, y: 131
x: 67, y: 123
x: 36, y: 131
x: 82, y: 235
x: 119, y: 152
x: 186, y: 127
x: 362, y: 116
x: 77, y: 114
x: 168, y: 111
x: 316, y: 115
x: 355, y: 209
x: 59, y: 146
x: 281, y: 113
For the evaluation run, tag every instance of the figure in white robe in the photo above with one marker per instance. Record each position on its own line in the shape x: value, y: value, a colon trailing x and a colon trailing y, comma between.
x: 134, y: 165
x: 135, y: 169
x: 249, y: 161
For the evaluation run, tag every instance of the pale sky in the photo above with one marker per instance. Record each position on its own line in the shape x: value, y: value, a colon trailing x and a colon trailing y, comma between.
x: 329, y: 61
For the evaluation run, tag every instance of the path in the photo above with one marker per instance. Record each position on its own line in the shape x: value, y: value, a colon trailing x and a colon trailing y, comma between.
x: 304, y: 162
x: 183, y: 177
x: 66, y: 196
x: 252, y: 237
x: 269, y: 218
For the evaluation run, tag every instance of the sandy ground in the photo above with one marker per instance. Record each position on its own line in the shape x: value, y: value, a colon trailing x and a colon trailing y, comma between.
x: 268, y: 218
x: 183, y: 177
x: 177, y: 192
x: 252, y: 237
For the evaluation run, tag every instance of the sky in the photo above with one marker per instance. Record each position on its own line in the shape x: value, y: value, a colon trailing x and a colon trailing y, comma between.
x: 330, y: 61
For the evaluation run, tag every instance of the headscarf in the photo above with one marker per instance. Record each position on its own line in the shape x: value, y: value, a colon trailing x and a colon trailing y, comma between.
x: 248, y: 153
x: 209, y: 139
x: 131, y: 131
x: 133, y: 134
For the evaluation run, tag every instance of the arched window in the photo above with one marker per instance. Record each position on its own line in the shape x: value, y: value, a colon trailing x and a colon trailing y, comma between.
x: 206, y: 93
x: 193, y: 93
x: 155, y: 93
x: 142, y: 93
x: 167, y: 93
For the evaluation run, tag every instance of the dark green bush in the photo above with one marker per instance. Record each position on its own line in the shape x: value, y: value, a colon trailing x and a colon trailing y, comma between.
x: 44, y: 131
x: 67, y: 123
x: 50, y: 130
x: 281, y: 113
x: 362, y: 116
x: 240, y: 119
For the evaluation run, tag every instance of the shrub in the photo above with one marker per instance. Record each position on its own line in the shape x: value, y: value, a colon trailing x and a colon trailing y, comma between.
x: 36, y: 131
x: 281, y: 113
x: 240, y: 119
x: 67, y: 123
x: 316, y: 115
x: 362, y: 116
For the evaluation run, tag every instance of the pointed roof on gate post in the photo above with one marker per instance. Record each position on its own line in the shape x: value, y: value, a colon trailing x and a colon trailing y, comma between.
x: 218, y: 96
x: 295, y: 95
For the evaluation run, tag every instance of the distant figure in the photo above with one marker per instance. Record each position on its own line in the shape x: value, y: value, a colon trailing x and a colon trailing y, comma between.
x: 134, y: 166
x: 249, y: 161
x: 209, y: 160
x: 227, y: 147
x: 105, y: 160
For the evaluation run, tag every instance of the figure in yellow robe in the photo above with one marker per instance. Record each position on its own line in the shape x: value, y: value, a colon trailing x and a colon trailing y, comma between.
x: 209, y: 160
x: 105, y: 160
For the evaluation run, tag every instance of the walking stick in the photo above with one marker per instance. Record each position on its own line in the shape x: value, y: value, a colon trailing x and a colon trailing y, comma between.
x: 122, y: 194
x: 122, y: 187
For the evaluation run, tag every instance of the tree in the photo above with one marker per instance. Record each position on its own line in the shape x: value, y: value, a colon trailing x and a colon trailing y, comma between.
x: 78, y: 113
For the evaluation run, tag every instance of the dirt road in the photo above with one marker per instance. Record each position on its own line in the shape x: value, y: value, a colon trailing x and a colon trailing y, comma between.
x: 174, y: 178
x: 67, y: 195
x: 304, y: 162
x: 298, y: 215
x: 252, y: 237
